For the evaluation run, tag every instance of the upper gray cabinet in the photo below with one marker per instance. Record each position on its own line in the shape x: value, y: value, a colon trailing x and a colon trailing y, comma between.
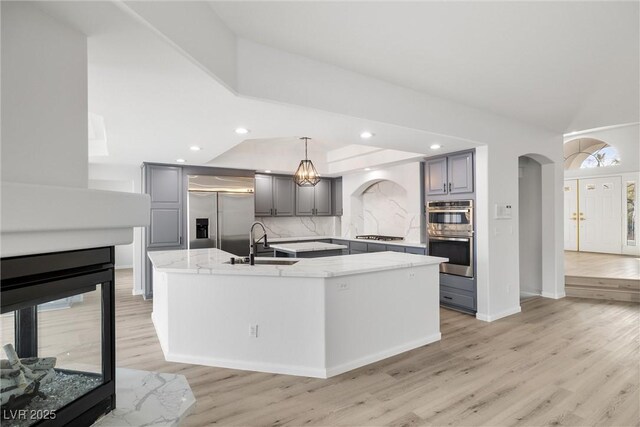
x: 323, y: 197
x: 274, y: 195
x: 452, y: 174
x: 164, y: 186
x: 436, y: 174
x: 460, y: 175
x: 314, y: 200
x: 283, y: 196
x: 263, y: 195
x: 336, y: 196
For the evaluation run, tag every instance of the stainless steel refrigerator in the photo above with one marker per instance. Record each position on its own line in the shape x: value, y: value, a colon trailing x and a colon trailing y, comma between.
x: 220, y: 211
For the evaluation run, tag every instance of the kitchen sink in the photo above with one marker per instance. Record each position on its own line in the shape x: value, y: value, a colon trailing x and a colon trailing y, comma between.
x: 270, y: 261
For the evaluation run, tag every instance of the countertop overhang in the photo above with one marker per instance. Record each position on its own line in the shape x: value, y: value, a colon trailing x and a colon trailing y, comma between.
x: 307, y: 247
x: 212, y: 262
x: 279, y: 240
x: 42, y: 219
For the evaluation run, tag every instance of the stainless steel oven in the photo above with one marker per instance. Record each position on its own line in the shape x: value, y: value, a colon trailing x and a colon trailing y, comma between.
x: 450, y: 228
x: 459, y: 250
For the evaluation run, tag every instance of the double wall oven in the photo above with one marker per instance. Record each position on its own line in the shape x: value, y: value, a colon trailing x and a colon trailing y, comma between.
x: 450, y: 229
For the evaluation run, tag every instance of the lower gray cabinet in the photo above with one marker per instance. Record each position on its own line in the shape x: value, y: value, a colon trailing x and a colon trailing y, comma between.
x: 414, y: 250
x: 395, y: 248
x: 457, y: 299
x: 376, y: 247
x: 164, y: 227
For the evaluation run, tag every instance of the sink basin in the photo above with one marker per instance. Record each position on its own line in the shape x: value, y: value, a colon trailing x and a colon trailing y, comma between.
x: 270, y: 262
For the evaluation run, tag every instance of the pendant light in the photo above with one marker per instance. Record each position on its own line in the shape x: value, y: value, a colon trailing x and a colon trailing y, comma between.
x: 306, y: 175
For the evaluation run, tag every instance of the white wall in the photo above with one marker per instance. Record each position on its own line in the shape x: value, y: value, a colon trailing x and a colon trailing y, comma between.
x: 44, y: 99
x: 126, y: 179
x: 530, y: 218
x: 406, y: 176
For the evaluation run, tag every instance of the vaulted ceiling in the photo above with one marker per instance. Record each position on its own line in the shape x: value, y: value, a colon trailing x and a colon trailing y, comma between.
x: 562, y: 66
x: 558, y: 66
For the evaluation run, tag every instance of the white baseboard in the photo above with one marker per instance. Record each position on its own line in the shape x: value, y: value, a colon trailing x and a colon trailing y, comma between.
x: 123, y: 267
x: 345, y: 367
x: 495, y: 316
x: 274, y: 368
x: 553, y: 295
x: 529, y: 294
x: 135, y: 291
x: 304, y: 371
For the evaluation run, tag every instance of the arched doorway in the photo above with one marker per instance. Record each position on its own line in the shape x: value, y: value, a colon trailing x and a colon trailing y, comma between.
x: 530, y: 226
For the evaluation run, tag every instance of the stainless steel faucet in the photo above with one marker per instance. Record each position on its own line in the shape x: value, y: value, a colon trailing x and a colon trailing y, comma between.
x: 252, y: 242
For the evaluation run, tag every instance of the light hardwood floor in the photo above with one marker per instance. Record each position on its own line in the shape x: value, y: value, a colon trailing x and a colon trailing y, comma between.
x: 602, y: 276
x: 589, y: 264
x: 559, y: 362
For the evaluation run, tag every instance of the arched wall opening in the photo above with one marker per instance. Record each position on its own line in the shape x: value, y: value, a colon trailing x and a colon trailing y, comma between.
x: 530, y: 226
x: 538, y: 230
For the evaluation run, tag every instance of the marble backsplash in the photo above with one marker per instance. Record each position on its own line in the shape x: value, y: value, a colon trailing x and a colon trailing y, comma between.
x: 385, y: 211
x: 301, y: 226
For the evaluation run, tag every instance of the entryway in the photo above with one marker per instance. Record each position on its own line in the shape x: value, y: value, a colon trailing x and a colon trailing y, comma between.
x: 593, y: 215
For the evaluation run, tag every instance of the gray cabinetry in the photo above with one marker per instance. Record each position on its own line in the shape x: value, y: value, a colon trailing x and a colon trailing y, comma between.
x: 460, y: 173
x: 336, y: 196
x: 274, y: 195
x: 305, y: 200
x: 323, y: 197
x: 452, y: 174
x: 436, y: 175
x: 164, y: 185
x: 263, y: 195
x: 283, y: 196
x: 314, y: 200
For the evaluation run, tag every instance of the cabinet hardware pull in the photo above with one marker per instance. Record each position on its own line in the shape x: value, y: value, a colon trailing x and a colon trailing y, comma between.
x: 275, y: 211
x: 444, y: 187
x: 449, y: 187
x: 447, y: 298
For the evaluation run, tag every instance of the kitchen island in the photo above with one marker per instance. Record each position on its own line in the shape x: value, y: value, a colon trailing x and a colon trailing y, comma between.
x: 315, y: 317
x: 308, y: 249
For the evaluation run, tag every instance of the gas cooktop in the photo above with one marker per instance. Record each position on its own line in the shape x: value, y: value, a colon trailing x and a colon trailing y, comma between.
x: 378, y: 237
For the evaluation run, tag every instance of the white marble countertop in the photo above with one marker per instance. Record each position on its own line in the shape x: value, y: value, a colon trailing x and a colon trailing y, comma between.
x: 312, y: 238
x: 212, y: 261
x: 295, y: 248
x: 146, y: 398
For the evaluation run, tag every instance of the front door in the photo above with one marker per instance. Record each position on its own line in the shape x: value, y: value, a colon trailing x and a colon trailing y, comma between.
x: 571, y: 215
x: 599, y: 216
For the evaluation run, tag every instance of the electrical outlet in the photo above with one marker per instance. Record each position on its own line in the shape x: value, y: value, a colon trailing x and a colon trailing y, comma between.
x: 343, y: 286
x: 253, y: 331
x: 412, y: 274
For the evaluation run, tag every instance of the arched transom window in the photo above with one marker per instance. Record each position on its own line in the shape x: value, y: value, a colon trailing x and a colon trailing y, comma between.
x: 585, y: 153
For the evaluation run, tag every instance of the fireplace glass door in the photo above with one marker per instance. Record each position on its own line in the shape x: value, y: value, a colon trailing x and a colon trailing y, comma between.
x: 57, y: 364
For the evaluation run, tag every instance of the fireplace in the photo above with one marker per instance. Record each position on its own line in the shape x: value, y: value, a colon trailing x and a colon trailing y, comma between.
x: 58, y: 337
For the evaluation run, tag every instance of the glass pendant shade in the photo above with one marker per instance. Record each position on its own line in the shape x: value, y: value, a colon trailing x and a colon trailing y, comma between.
x: 306, y: 175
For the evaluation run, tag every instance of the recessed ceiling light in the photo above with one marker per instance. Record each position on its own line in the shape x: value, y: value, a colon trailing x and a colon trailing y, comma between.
x: 367, y: 169
x: 435, y: 146
x: 267, y: 171
x: 195, y: 148
x: 366, y: 135
x: 242, y: 131
x: 180, y: 160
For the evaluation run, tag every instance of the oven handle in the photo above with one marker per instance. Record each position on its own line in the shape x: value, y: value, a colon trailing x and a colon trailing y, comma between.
x: 452, y: 239
x: 449, y: 210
